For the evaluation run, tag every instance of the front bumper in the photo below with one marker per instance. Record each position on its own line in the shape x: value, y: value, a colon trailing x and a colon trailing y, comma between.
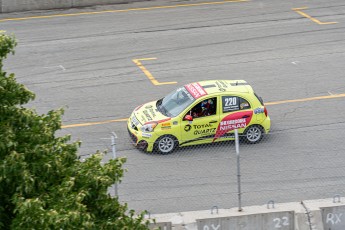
x: 132, y: 136
x: 141, y: 140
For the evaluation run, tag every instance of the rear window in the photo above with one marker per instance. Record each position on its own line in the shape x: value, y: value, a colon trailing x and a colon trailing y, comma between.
x: 260, y: 99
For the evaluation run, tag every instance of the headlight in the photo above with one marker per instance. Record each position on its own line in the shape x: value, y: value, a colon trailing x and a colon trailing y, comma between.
x: 148, y: 127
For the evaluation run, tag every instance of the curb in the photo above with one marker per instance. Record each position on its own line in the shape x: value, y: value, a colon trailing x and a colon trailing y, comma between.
x: 8, y: 6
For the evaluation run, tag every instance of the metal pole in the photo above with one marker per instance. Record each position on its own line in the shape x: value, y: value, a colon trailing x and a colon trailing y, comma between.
x: 113, y: 147
x: 238, y: 170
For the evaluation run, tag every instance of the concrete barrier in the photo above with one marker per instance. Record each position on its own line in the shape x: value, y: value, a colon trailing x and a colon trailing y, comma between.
x: 261, y: 221
x: 7, y: 6
x: 325, y: 214
x: 24, y: 5
x: 161, y: 226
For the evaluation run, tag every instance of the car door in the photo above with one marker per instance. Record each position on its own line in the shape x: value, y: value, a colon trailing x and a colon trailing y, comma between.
x: 202, y: 128
x: 235, y: 113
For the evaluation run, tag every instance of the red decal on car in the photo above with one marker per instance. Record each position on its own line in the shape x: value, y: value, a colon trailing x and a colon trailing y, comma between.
x: 160, y: 121
x: 233, y: 121
x: 164, y: 120
x: 196, y: 90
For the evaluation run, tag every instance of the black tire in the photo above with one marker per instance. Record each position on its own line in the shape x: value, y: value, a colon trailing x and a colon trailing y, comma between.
x: 166, y: 144
x: 142, y: 145
x: 253, y: 134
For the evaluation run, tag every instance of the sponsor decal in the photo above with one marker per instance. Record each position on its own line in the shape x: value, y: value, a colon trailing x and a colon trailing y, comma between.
x: 187, y: 128
x: 201, y: 132
x: 202, y: 126
x: 244, y: 105
x: 233, y: 121
x: 223, y: 84
x: 149, y: 118
x: 148, y: 106
x: 259, y: 110
x: 166, y: 126
x: 152, y: 112
x: 220, y: 86
x: 148, y: 135
x: 196, y: 90
x: 233, y: 124
x: 205, y: 132
x: 204, y: 129
x: 175, y: 123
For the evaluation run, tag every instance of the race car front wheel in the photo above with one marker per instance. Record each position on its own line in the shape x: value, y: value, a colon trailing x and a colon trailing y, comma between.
x: 253, y: 134
x: 166, y: 144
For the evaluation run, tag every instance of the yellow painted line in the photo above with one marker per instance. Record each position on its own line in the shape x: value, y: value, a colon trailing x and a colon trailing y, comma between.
x: 307, y: 99
x: 118, y: 11
x: 148, y: 74
x: 299, y: 11
x: 267, y: 103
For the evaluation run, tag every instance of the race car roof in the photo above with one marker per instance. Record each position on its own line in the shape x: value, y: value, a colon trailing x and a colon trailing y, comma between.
x: 202, y: 88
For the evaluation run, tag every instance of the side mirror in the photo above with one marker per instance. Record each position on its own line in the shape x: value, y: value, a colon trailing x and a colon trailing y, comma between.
x: 188, y: 118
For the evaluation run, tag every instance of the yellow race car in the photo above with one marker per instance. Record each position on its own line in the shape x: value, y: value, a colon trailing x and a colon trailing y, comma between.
x: 199, y: 113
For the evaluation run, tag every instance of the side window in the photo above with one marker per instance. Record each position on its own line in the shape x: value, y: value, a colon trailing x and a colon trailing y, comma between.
x: 233, y: 103
x: 204, y: 108
x: 244, y: 104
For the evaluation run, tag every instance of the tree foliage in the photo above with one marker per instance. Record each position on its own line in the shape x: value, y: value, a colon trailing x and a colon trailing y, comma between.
x: 43, y: 185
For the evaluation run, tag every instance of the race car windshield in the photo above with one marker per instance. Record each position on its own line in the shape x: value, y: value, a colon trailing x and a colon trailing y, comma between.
x: 175, y: 102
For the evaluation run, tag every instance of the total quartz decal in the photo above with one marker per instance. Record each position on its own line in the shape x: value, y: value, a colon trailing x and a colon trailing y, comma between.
x: 233, y: 121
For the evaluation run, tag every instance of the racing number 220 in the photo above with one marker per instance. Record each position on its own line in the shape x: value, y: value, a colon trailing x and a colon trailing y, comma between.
x: 230, y: 101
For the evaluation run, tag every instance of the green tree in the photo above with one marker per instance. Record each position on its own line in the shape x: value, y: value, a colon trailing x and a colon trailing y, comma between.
x: 43, y: 185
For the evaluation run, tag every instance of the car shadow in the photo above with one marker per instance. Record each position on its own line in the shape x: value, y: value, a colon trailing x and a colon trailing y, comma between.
x: 211, y: 147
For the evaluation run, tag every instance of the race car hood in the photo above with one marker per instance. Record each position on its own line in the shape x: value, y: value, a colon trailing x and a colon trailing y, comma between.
x: 149, y: 113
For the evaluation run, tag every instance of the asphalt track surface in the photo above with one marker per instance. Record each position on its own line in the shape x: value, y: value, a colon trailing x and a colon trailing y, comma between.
x: 291, y: 52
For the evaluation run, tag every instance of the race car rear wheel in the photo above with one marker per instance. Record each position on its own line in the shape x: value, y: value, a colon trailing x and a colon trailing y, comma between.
x: 166, y: 144
x: 253, y: 134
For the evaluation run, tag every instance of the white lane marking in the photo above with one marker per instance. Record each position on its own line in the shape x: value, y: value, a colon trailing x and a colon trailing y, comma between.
x: 54, y: 67
x: 63, y: 68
